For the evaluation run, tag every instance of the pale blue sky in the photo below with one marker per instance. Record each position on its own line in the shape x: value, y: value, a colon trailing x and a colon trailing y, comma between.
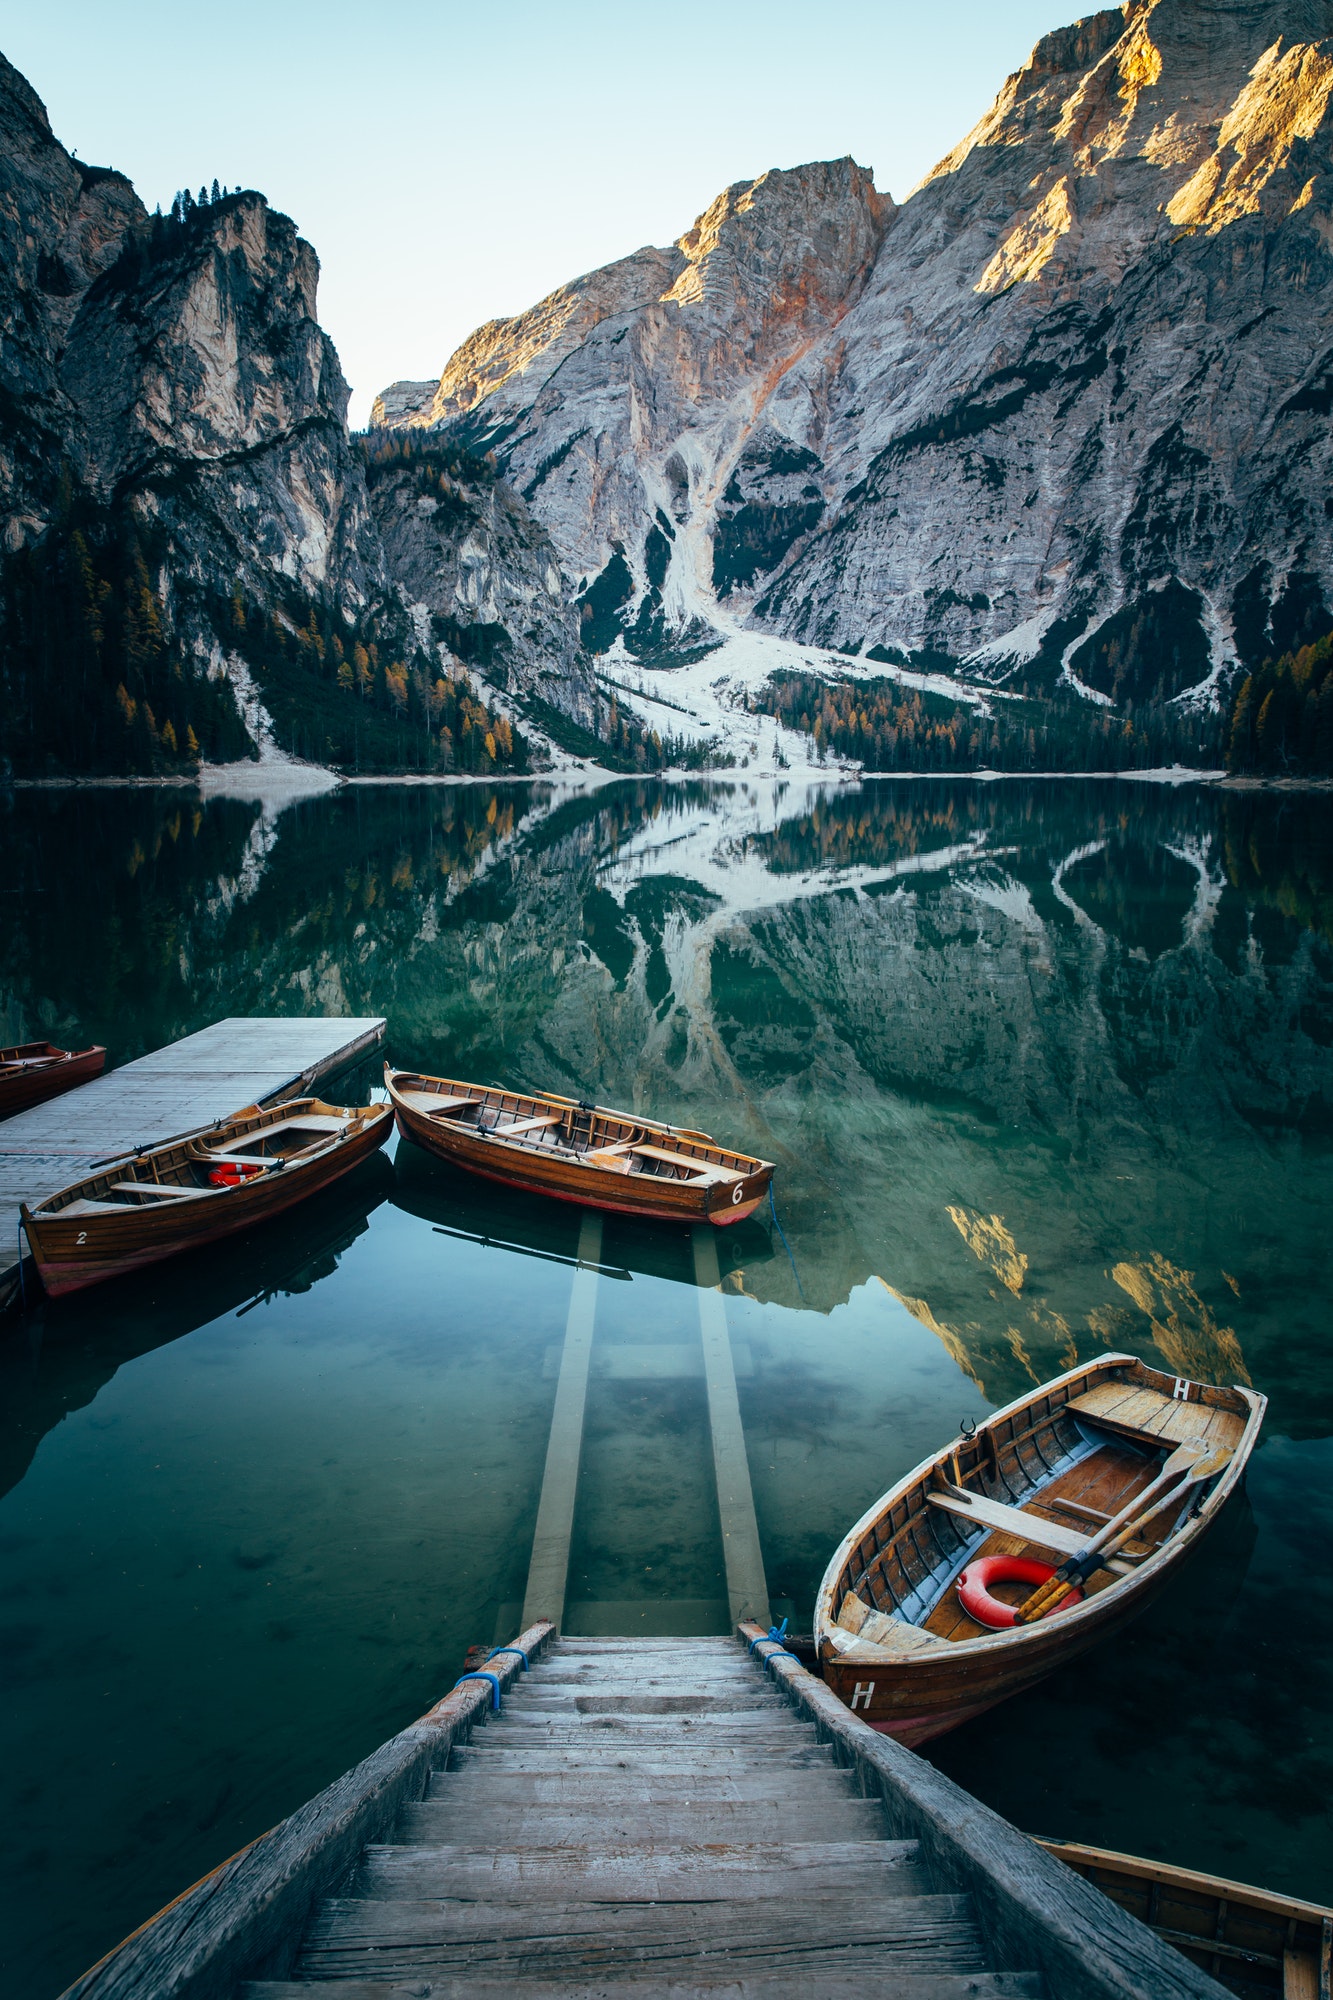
x: 452, y: 163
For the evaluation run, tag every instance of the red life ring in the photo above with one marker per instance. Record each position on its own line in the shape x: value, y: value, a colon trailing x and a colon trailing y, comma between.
x: 974, y: 1593
x: 233, y: 1172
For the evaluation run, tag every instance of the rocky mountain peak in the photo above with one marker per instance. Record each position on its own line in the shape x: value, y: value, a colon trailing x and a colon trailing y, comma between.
x: 621, y: 404
x: 784, y: 249
x: 201, y: 342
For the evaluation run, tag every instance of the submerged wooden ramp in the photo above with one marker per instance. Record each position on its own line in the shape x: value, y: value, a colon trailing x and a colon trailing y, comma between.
x: 238, y: 1061
x: 673, y: 1817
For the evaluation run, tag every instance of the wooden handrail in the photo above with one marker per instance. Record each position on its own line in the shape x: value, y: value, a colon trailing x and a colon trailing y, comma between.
x: 245, y: 1919
x: 1035, y: 1914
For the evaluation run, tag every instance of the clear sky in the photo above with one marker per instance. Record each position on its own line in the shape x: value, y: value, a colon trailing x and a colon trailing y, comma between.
x: 453, y: 163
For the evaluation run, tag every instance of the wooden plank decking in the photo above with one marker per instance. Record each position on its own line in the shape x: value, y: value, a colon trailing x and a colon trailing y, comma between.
x: 674, y: 1817
x: 238, y: 1061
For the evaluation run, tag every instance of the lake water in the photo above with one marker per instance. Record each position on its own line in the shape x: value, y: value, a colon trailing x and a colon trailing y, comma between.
x: 1046, y: 1068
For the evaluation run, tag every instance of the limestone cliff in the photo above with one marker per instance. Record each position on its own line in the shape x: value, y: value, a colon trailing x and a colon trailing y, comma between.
x: 1087, y: 387
x: 481, y: 577
x: 1059, y: 418
x: 189, y: 560
x: 619, y: 405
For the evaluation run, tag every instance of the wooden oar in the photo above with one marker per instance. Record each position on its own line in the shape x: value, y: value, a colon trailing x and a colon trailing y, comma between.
x: 1188, y: 1459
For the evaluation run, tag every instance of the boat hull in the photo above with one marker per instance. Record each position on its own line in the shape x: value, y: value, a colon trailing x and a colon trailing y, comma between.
x: 20, y: 1090
x: 567, y: 1178
x: 1255, y: 1941
x: 919, y: 1690
x: 914, y: 1704
x: 87, y: 1250
x: 650, y: 1211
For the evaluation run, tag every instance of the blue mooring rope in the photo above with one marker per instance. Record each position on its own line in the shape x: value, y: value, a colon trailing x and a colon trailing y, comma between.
x: 786, y: 1246
x: 496, y: 1651
x: 775, y: 1636
x: 494, y: 1680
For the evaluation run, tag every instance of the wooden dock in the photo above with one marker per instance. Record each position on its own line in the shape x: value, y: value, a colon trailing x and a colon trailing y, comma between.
x: 674, y: 1817
x: 238, y: 1061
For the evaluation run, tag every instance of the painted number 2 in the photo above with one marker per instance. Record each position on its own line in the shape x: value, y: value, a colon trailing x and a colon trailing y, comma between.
x: 83, y: 1236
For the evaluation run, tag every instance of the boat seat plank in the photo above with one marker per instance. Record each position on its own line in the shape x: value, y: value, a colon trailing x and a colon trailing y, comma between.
x: 986, y: 1513
x: 1300, y: 1976
x: 85, y: 1207
x: 310, y: 1121
x: 433, y: 1103
x: 155, y: 1188
x: 1148, y: 1414
x: 684, y: 1160
x: 518, y: 1125
x: 876, y: 1636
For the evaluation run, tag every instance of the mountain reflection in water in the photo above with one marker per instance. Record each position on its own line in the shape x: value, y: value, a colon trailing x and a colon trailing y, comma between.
x: 1046, y: 1069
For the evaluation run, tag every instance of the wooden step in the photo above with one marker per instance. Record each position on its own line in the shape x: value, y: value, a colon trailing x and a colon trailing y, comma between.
x: 689, y: 1653
x: 629, y: 1643
x: 692, y: 1654
x: 652, y: 1872
x: 729, y: 1725
x: 619, y: 1739
x: 576, y: 1791
x: 601, y: 1754
x: 351, y: 1938
x: 435, y: 1822
x: 662, y: 1666
x: 718, y: 1690
x: 670, y: 1700
x: 870, y: 1985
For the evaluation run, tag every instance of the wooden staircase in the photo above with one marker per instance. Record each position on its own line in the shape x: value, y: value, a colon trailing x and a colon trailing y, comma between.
x: 653, y: 1814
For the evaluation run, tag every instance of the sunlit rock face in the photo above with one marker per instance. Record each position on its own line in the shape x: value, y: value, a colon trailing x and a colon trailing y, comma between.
x: 1081, y: 376
x: 620, y: 405
x: 1091, y: 366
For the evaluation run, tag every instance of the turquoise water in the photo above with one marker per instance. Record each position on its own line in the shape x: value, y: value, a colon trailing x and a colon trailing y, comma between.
x: 1045, y: 1069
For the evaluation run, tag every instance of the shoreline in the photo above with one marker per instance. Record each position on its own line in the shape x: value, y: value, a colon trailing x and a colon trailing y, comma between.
x: 308, y: 781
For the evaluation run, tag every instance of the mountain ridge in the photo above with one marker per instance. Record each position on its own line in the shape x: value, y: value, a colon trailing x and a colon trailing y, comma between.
x: 1066, y: 421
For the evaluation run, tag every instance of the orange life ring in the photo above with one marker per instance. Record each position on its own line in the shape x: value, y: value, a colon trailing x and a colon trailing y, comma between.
x: 974, y: 1588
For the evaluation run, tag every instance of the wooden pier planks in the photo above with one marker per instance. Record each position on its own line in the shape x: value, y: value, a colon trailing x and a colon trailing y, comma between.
x: 720, y: 1867
x: 237, y: 1061
x: 574, y: 1844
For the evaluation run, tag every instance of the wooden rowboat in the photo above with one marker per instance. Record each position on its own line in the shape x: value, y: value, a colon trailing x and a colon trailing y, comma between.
x: 578, y: 1152
x: 1038, y: 1479
x: 34, y: 1071
x: 154, y: 1204
x: 1263, y: 1946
